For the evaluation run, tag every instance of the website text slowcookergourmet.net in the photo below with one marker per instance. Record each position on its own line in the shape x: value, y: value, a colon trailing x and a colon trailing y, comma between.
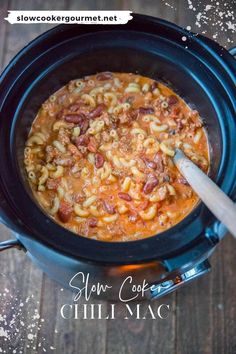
x: 67, y: 18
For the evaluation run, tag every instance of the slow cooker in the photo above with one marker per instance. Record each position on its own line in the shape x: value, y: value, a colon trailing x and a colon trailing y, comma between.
x: 198, y: 69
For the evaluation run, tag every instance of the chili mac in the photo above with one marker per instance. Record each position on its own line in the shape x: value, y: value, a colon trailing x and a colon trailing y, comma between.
x: 99, y: 156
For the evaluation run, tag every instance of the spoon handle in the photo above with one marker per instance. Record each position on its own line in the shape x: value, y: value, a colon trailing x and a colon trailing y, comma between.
x: 211, y: 195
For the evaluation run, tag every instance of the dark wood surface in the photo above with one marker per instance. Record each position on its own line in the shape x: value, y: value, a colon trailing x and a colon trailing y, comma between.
x: 203, y: 314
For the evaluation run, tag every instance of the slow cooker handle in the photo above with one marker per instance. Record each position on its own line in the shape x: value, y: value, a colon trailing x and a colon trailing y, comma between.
x: 172, y: 283
x: 5, y: 245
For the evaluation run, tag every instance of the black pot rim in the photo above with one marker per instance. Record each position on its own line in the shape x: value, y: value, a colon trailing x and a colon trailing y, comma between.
x: 119, y: 252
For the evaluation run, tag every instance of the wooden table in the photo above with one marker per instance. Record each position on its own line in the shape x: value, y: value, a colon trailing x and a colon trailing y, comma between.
x: 203, y: 314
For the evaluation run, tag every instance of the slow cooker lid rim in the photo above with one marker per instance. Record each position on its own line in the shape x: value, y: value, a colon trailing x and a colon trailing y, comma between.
x: 118, y: 258
x: 11, y: 84
x: 59, y: 44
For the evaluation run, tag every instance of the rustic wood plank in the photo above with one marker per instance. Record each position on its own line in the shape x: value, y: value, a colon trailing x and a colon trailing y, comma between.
x: 209, y: 25
x: 151, y: 8
x: 19, y: 280
x: 149, y: 336
x: 3, y: 27
x: 228, y: 289
x: 93, y: 5
x: 20, y: 34
x: 73, y: 335
x: 194, y: 316
x: 206, y: 309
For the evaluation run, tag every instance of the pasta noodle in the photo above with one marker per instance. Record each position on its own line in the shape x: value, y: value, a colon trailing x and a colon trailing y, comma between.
x: 58, y: 173
x: 80, y: 212
x: 44, y: 175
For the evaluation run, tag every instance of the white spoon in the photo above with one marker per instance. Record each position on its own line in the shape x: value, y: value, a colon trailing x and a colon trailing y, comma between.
x: 211, y: 195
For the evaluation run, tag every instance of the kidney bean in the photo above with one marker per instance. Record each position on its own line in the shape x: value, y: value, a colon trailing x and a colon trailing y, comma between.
x: 84, y: 126
x: 151, y: 183
x: 150, y: 164
x: 146, y: 110
x: 65, y: 211
x: 108, y: 207
x: 106, y: 75
x: 92, y: 146
x: 124, y: 196
x: 96, y: 112
x: 99, y: 160
x: 173, y: 100
x: 74, y: 118
x: 159, y: 163
x: 92, y: 222
x: 82, y: 140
